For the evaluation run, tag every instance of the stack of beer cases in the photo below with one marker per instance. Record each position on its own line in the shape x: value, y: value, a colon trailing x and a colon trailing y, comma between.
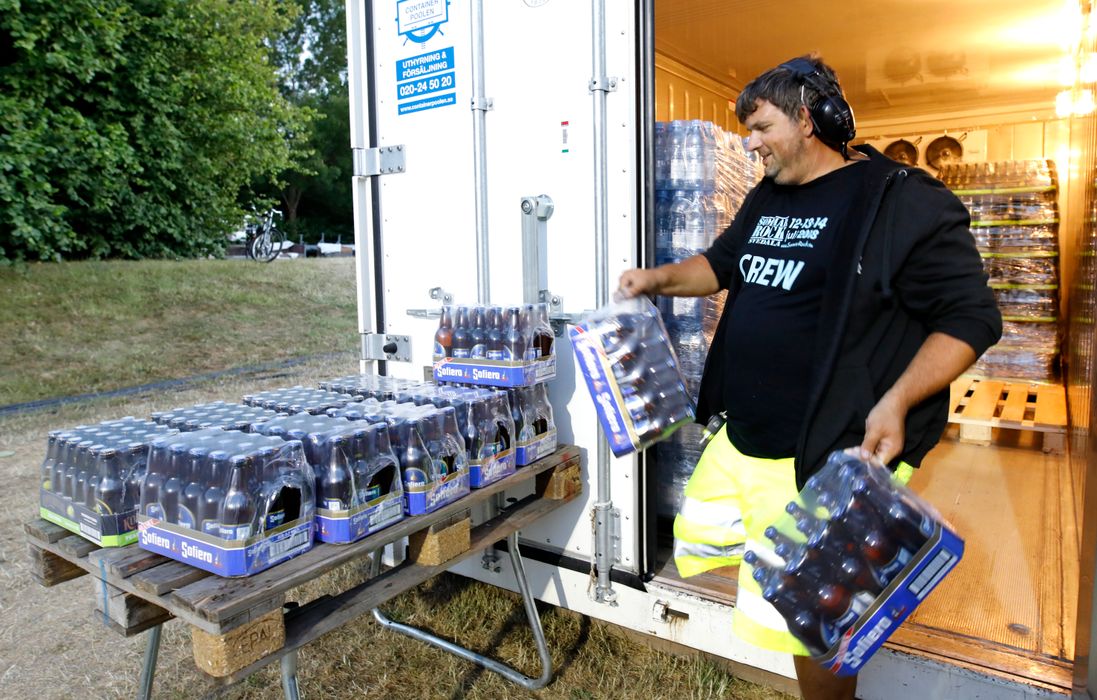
x: 299, y: 399
x: 217, y: 414
x: 226, y: 501
x: 855, y: 555
x: 90, y: 478
x: 632, y: 374
x: 374, y: 386
x: 486, y: 422
x: 428, y: 445
x: 358, y: 486
x: 507, y: 347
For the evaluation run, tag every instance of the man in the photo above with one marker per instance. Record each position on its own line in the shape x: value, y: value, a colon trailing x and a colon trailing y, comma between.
x: 855, y: 296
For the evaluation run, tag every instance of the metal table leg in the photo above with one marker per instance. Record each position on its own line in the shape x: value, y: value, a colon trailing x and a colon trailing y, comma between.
x: 289, y: 676
x: 152, y: 652
x: 491, y: 664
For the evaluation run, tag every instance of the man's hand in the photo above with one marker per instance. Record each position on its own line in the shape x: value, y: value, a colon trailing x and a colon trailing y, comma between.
x: 636, y: 282
x: 884, y: 430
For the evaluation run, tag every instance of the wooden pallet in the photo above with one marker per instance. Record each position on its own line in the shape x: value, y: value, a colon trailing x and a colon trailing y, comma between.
x: 241, y: 624
x: 981, y: 405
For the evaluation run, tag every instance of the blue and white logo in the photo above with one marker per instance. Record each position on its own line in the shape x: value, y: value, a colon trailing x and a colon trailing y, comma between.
x: 420, y: 20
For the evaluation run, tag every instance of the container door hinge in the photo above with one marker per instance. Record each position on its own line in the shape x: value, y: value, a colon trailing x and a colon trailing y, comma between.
x: 604, y: 83
x: 385, y: 160
x: 383, y: 346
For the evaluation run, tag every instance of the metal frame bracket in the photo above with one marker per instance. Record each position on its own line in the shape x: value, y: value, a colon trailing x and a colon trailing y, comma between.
x: 386, y: 160
x: 384, y: 346
x: 482, y: 104
x: 604, y: 83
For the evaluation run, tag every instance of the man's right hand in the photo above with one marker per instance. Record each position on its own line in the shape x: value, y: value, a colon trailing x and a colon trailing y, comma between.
x: 636, y: 282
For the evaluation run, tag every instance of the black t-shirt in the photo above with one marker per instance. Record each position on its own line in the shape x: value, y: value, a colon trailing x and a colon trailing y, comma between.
x: 772, y: 326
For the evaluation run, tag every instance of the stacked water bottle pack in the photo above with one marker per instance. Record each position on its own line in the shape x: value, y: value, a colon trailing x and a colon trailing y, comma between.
x: 702, y: 175
x: 217, y: 414
x: 90, y: 478
x: 358, y: 483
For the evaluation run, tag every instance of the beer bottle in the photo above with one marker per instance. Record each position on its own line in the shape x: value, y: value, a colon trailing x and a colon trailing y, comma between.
x: 477, y: 334
x: 237, y: 511
x: 210, y: 507
x: 418, y: 467
x: 59, y: 468
x: 159, y: 460
x: 528, y: 325
x: 453, y: 442
x: 478, y: 431
x: 543, y: 331
x: 542, y: 408
x: 50, y: 462
x: 384, y: 459
x: 496, y: 333
x: 172, y: 490
x: 443, y: 339
x: 195, y: 488
x: 110, y: 492
x: 900, y: 518
x: 333, y: 481
x: 364, y: 445
x: 80, y: 478
x: 514, y: 342
x: 135, y: 463
x: 462, y: 338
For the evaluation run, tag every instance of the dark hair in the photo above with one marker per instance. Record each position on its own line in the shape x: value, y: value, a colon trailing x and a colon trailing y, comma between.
x: 780, y: 86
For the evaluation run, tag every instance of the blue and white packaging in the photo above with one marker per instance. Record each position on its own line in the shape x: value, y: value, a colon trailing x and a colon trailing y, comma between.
x: 632, y: 374
x: 855, y: 557
x: 503, y: 346
x: 229, y: 502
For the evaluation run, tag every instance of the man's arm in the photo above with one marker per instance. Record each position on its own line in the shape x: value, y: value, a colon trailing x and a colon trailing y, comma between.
x: 941, y: 359
x: 693, y: 277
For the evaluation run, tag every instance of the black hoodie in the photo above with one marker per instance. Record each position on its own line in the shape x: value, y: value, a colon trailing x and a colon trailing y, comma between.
x: 911, y: 269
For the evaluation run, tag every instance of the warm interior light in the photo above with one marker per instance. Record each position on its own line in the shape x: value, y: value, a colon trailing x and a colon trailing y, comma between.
x: 1084, y: 104
x: 1066, y: 71
x: 1088, y: 73
x: 1064, y: 104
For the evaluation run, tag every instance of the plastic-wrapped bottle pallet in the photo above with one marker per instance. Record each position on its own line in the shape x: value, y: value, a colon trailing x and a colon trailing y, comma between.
x: 217, y: 414
x: 693, y: 207
x: 299, y: 399
x: 1015, y: 221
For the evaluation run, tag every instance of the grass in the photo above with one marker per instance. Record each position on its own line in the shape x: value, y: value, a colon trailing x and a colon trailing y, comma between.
x: 84, y: 327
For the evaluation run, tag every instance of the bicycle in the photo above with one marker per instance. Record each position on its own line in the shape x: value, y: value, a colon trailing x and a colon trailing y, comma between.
x: 264, y: 241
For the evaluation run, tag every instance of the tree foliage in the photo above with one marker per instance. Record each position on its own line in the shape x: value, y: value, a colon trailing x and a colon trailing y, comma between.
x: 311, y: 59
x: 130, y: 127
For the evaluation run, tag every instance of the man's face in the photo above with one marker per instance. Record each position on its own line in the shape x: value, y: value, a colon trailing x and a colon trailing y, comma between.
x: 780, y: 141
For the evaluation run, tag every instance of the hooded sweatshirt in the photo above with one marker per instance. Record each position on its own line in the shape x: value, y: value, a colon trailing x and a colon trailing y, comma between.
x: 904, y: 265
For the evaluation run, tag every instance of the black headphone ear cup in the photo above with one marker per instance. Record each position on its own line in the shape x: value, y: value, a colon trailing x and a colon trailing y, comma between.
x: 832, y: 118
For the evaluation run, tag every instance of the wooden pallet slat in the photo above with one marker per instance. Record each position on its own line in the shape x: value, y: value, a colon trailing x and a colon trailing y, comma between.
x: 980, y: 405
x: 169, y: 576
x: 129, y: 613
x: 49, y: 569
x: 1013, y: 410
x: 45, y: 531
x: 124, y: 562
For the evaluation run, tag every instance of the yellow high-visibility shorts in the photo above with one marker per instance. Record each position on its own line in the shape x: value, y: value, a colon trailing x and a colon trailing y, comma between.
x: 728, y: 503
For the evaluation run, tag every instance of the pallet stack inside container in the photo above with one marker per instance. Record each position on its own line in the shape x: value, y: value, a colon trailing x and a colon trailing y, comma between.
x: 1015, y: 222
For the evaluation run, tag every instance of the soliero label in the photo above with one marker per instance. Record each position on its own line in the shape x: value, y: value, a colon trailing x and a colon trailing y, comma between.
x: 426, y: 81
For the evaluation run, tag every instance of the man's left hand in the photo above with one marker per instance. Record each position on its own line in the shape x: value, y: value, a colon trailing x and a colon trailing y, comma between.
x: 884, y: 430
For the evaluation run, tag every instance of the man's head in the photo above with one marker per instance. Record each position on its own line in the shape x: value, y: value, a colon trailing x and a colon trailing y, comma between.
x: 792, y: 111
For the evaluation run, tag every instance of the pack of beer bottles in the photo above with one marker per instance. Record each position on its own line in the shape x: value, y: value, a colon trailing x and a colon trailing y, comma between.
x: 494, y: 345
x: 429, y: 446
x: 90, y: 478
x: 369, y: 386
x: 358, y: 485
x: 632, y: 374
x: 856, y: 553
x: 229, y: 502
x: 299, y: 399
x: 216, y: 414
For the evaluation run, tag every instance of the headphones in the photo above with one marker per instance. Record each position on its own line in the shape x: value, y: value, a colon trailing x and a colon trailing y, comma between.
x: 831, y: 116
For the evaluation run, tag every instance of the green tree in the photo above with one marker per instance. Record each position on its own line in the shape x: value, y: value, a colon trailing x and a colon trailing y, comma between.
x: 131, y: 126
x: 311, y: 56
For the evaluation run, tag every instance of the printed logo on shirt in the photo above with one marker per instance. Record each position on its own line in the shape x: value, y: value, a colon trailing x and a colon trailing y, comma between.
x: 770, y: 272
x: 788, y: 232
